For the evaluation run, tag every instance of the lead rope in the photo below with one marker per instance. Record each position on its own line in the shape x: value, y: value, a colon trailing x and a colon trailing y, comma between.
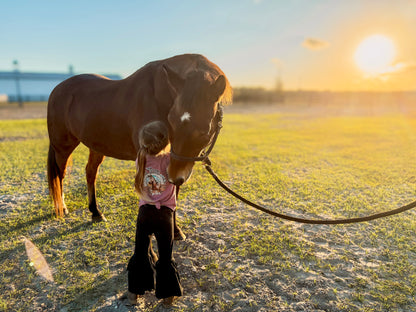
x: 207, y: 164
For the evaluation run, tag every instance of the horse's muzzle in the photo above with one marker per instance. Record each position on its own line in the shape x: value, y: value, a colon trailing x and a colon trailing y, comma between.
x: 179, y: 172
x: 178, y: 181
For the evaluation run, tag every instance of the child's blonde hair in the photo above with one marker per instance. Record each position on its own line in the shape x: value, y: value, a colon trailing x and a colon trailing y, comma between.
x: 153, y: 139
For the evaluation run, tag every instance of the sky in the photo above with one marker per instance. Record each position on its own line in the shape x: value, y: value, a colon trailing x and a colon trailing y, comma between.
x: 307, y: 44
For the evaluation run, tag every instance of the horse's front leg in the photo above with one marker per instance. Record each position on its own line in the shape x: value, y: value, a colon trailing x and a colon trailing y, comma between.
x: 94, y: 161
x: 177, y: 232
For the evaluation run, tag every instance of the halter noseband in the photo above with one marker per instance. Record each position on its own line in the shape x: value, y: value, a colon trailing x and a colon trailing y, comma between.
x: 208, y: 149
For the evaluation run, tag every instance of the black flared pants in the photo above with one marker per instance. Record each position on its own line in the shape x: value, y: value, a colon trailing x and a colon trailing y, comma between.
x: 142, y: 268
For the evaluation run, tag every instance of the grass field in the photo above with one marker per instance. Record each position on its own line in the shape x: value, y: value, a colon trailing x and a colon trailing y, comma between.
x: 235, y: 258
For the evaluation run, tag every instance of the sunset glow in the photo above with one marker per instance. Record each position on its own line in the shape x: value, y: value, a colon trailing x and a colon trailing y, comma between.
x: 304, y: 45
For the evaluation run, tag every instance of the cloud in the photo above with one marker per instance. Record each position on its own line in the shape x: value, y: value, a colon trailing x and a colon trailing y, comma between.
x: 314, y: 44
x: 392, y: 71
x: 405, y: 66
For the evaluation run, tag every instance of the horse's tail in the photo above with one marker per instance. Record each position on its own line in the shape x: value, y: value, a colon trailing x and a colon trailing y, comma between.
x: 55, y: 182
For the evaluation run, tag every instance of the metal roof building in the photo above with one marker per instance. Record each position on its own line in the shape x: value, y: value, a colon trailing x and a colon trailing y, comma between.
x: 30, y: 86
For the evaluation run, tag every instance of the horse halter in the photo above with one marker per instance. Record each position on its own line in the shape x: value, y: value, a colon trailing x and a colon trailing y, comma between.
x: 203, y: 156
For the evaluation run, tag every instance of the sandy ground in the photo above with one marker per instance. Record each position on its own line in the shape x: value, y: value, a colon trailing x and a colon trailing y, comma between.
x: 29, y: 111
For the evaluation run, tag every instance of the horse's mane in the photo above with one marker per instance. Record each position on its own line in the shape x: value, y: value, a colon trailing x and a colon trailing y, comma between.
x: 227, y: 96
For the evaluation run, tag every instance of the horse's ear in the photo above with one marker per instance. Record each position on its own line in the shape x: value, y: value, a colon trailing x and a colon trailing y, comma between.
x: 219, y: 86
x: 166, y: 81
x: 175, y: 81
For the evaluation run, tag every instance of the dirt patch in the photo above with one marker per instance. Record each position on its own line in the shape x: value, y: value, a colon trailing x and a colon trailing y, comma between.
x: 10, y: 204
x: 28, y: 111
x: 217, y: 277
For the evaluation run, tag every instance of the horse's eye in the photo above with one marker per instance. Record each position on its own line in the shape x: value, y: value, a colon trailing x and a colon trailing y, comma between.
x: 200, y: 135
x: 204, y: 136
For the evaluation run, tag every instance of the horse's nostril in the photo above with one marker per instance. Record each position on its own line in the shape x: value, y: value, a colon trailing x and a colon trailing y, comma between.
x: 179, y: 181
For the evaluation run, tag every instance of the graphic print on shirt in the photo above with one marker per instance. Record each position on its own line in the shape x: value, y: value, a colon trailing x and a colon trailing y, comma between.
x: 154, y: 182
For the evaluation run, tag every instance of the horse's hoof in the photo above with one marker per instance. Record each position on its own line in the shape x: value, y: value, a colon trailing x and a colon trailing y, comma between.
x: 168, y: 301
x: 132, y: 298
x: 178, y: 234
x: 99, y: 218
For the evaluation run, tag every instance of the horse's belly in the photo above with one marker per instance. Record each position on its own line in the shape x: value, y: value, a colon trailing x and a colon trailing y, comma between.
x: 106, y: 134
x: 111, y: 148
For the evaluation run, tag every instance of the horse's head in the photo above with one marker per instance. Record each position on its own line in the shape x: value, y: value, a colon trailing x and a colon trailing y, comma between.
x: 191, y: 118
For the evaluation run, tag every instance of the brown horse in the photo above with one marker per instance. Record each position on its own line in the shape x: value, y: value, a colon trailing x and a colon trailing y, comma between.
x: 106, y: 115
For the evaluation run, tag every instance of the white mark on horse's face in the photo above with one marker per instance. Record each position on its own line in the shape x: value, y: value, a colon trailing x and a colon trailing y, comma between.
x: 185, y: 117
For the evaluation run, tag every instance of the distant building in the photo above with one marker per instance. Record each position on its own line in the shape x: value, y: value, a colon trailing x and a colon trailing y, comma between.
x: 33, y: 86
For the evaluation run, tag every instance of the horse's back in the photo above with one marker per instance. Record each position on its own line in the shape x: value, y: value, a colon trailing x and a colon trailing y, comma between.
x: 71, y: 91
x: 95, y: 110
x: 76, y: 84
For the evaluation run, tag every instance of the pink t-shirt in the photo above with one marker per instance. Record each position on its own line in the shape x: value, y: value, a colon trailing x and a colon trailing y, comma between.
x: 156, y: 184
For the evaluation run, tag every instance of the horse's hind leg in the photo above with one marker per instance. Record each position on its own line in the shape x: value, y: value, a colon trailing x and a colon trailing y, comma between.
x: 57, y: 163
x: 94, y: 161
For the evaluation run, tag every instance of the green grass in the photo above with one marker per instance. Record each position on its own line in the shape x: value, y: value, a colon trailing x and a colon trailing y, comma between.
x: 329, y: 166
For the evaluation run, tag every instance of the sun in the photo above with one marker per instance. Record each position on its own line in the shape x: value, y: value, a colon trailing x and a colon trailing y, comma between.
x: 375, y: 55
